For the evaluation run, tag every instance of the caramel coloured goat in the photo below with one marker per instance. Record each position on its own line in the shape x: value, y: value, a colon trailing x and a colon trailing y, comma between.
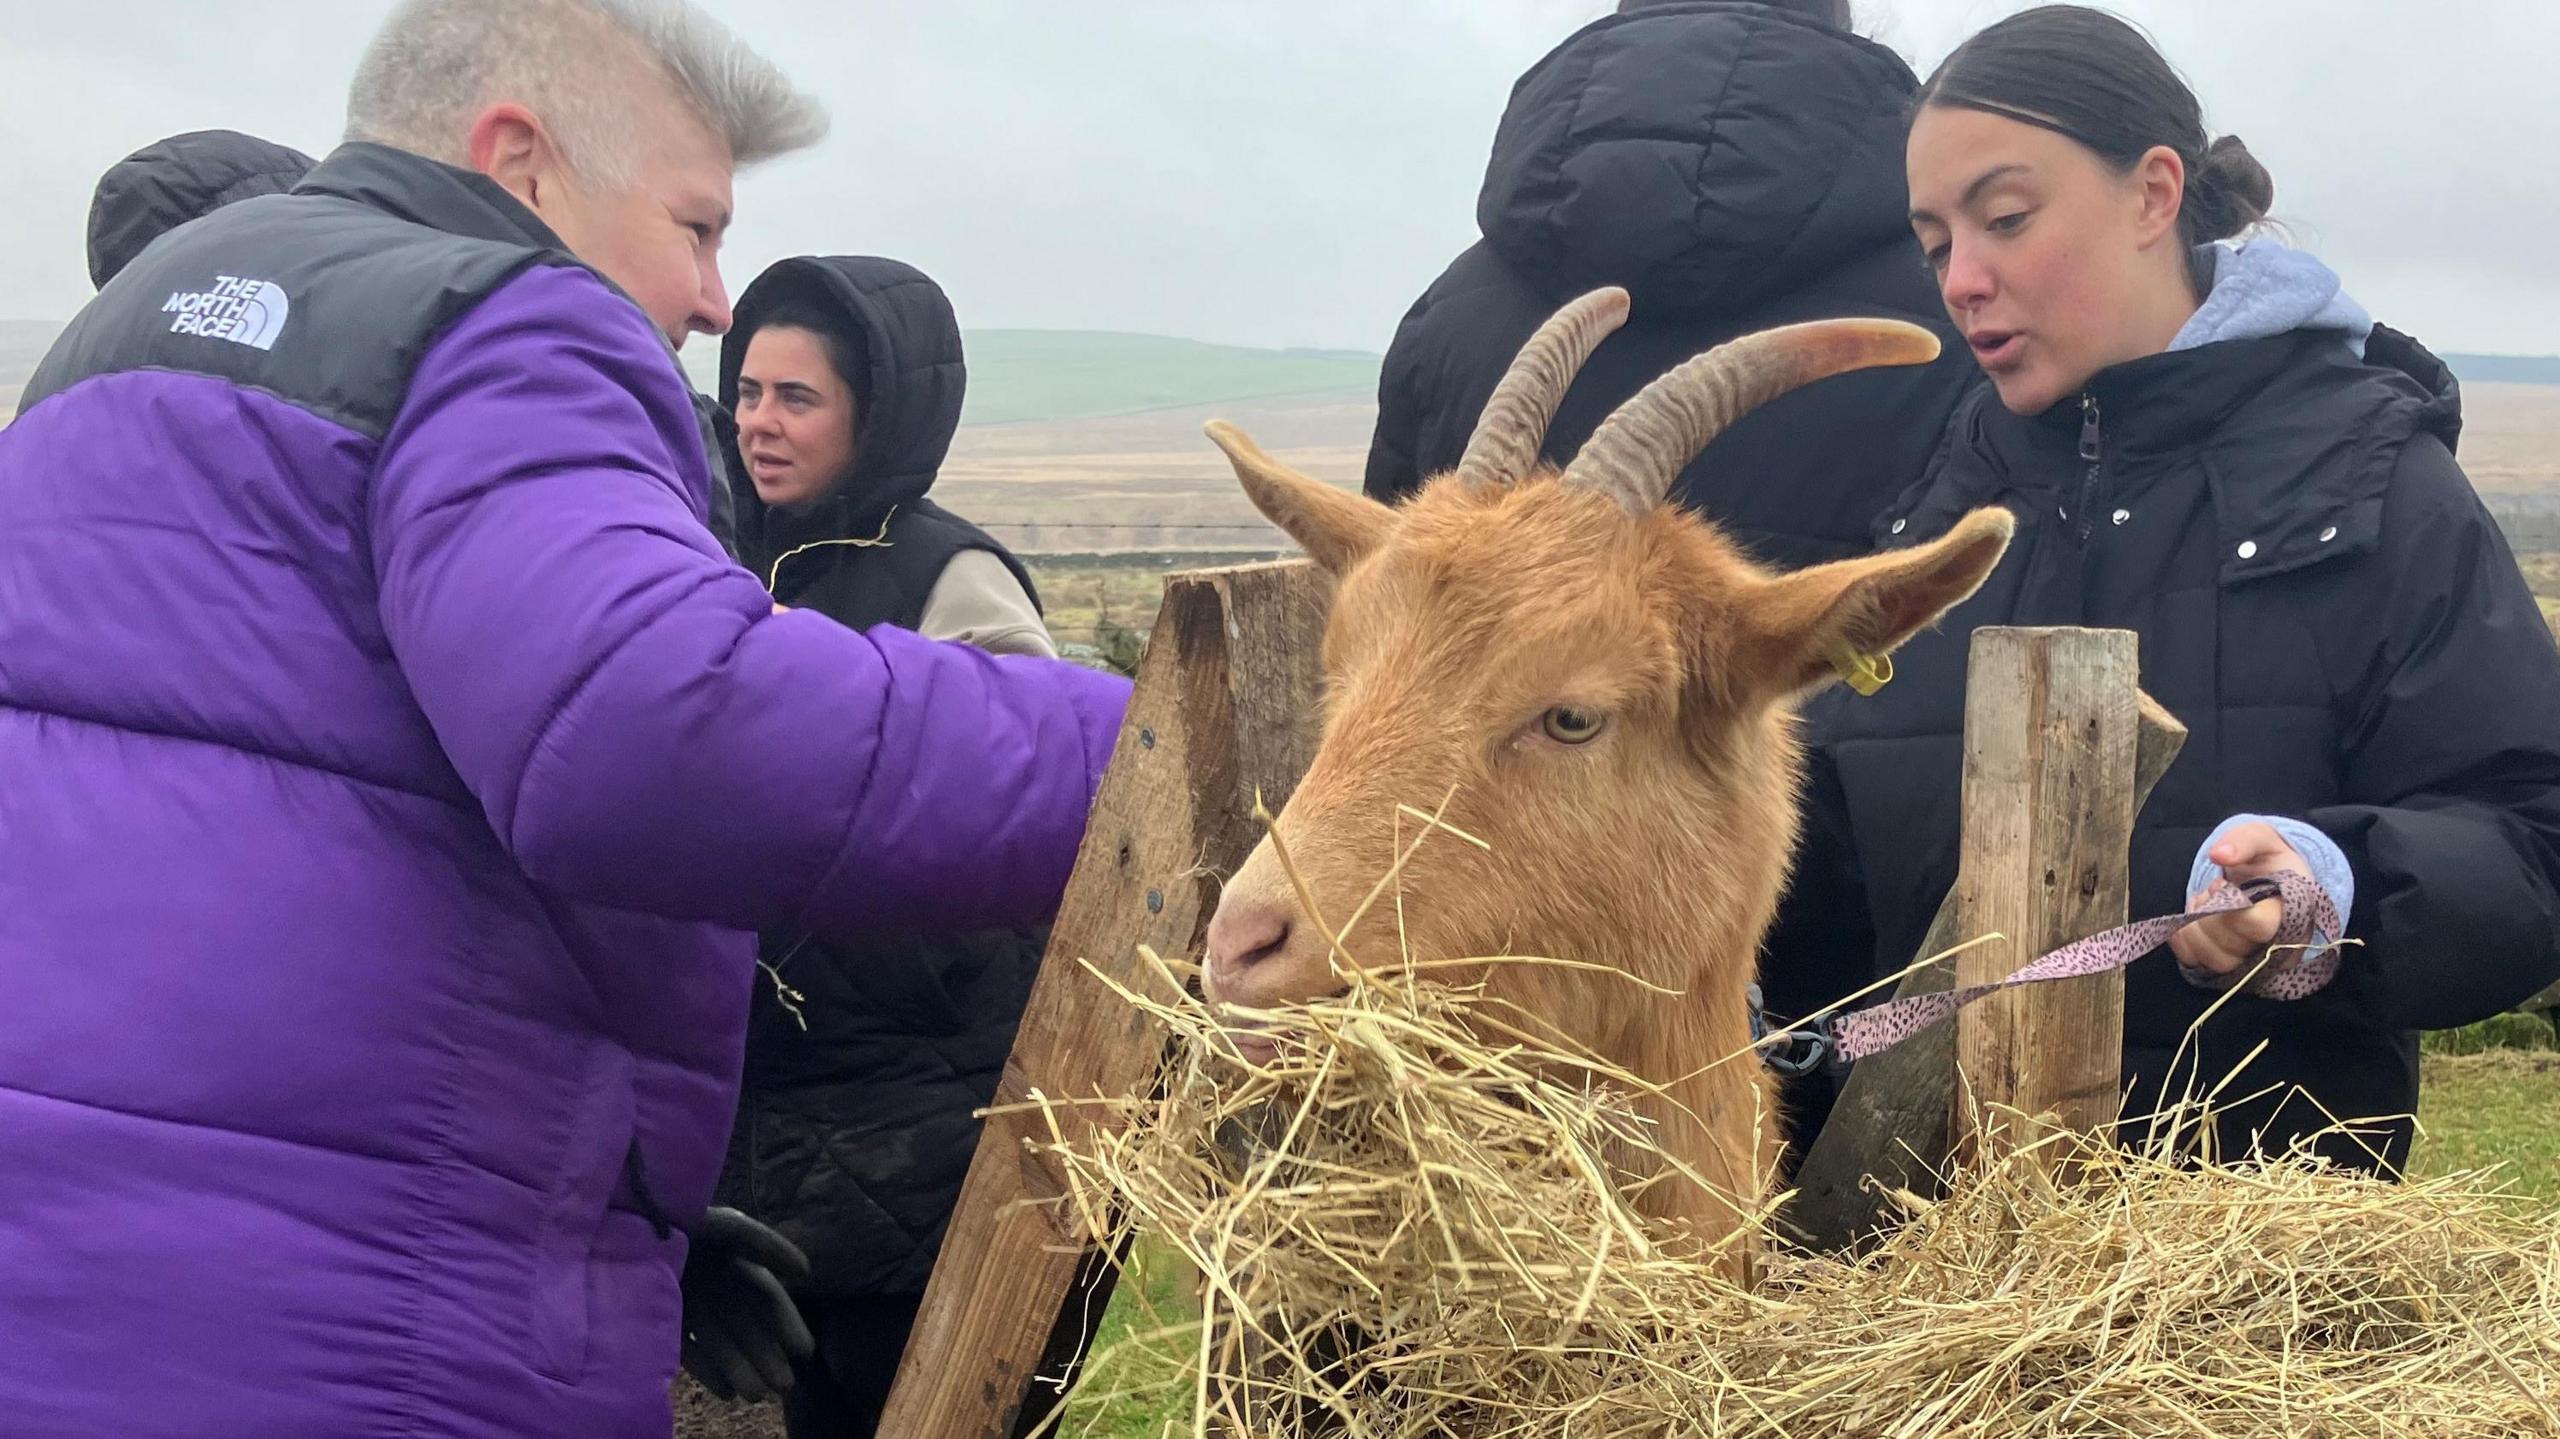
x: 1601, y: 688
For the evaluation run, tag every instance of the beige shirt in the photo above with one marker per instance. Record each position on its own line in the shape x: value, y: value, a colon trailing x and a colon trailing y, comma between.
x: 977, y: 601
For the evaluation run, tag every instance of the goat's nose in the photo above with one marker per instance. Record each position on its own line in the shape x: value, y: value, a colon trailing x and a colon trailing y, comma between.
x: 1240, y: 937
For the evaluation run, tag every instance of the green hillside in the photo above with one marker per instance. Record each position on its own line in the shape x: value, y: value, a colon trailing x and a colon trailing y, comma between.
x: 1070, y: 374
x: 1018, y: 375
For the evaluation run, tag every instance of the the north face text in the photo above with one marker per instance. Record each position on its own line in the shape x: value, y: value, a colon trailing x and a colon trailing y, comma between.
x: 251, y: 312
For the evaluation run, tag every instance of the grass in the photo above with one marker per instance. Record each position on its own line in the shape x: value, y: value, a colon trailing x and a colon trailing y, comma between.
x: 2497, y: 1107
x: 1017, y: 375
x: 1141, y: 1390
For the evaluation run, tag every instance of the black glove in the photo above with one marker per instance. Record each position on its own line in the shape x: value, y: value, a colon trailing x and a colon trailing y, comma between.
x: 741, y: 1330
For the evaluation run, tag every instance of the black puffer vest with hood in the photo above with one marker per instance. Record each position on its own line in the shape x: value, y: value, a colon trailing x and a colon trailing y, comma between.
x: 901, y: 326
x: 855, y: 1122
x: 1734, y: 167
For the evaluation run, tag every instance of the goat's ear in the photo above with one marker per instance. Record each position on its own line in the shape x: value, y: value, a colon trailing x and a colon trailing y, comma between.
x: 1836, y: 620
x: 1334, y: 527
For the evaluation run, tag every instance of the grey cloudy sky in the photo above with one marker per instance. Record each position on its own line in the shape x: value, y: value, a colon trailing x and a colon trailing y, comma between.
x: 1269, y: 173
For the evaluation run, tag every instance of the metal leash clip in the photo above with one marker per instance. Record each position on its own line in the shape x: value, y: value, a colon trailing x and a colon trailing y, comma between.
x: 1794, y: 1051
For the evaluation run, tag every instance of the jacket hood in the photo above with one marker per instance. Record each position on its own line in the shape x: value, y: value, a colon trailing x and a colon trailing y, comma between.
x: 2262, y: 288
x: 1707, y: 155
x: 900, y: 328
x: 2440, y: 410
x: 158, y: 188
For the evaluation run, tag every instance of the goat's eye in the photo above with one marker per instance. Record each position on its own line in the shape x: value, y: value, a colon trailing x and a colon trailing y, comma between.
x: 1567, y: 725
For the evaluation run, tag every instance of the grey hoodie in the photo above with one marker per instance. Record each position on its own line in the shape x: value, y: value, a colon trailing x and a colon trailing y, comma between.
x: 2262, y: 288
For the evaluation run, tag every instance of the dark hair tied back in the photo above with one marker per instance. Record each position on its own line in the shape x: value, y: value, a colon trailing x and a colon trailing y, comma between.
x: 2087, y: 75
x: 2228, y: 192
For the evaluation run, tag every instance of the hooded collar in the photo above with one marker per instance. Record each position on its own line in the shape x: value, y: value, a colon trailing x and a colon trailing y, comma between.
x: 901, y: 325
x: 430, y: 193
x: 2261, y: 288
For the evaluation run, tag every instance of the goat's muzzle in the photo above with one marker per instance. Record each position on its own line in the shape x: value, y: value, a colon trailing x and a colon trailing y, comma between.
x: 1254, y: 962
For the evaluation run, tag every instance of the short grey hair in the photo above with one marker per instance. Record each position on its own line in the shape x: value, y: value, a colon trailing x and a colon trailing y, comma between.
x: 585, y: 68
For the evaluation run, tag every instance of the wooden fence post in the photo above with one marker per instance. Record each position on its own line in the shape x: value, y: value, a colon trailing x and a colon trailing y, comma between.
x: 1218, y: 715
x: 1889, y: 1129
x: 2050, y: 721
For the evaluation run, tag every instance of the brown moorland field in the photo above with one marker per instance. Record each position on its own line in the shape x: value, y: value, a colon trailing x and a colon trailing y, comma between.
x: 1152, y: 481
x: 1145, y: 482
x: 2511, y: 438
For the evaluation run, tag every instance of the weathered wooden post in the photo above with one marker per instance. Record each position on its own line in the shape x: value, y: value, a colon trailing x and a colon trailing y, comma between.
x: 1891, y: 1128
x: 2050, y: 721
x: 1219, y: 716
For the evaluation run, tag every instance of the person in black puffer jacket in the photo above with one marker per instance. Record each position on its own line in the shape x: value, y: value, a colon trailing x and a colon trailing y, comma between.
x: 1734, y: 167
x: 868, y: 1054
x: 169, y: 182
x: 2210, y: 445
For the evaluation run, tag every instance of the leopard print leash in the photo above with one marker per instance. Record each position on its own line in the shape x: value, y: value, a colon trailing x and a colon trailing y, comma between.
x: 2293, y: 971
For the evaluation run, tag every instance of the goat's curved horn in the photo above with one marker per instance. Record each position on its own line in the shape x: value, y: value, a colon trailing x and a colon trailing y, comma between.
x: 1514, y: 424
x: 1638, y: 451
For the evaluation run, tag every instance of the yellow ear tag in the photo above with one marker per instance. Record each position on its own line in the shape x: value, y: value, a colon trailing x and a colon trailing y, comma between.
x: 1862, y: 672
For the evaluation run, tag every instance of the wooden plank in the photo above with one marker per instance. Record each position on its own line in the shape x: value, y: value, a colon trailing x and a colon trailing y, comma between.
x: 2048, y: 815
x: 1889, y: 1128
x: 1223, y: 708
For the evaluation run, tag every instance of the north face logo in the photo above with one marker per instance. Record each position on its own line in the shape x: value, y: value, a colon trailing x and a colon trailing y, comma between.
x: 251, y: 312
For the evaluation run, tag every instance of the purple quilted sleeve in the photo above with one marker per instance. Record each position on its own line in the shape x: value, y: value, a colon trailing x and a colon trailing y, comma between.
x: 638, y: 726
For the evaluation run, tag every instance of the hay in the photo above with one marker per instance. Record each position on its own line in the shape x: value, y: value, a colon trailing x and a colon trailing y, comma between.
x: 1405, y: 1230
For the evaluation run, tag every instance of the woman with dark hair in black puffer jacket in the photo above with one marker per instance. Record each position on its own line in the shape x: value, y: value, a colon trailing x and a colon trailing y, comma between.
x: 2206, y: 441
x: 1733, y: 166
